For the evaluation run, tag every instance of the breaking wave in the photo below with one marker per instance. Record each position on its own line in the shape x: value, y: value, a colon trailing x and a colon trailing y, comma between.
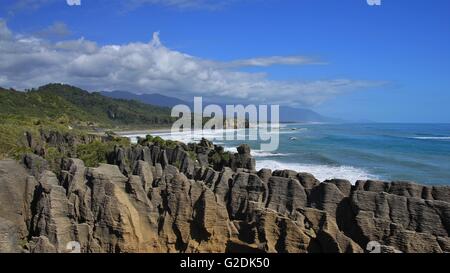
x: 321, y: 172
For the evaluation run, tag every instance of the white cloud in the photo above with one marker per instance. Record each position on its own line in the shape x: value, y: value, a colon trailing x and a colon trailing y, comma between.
x: 184, y: 4
x: 73, y: 2
x: 273, y: 60
x: 5, y: 33
x: 26, y: 62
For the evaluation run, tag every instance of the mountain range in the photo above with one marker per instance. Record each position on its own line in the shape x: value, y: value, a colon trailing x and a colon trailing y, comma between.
x: 152, y: 99
x: 287, y: 114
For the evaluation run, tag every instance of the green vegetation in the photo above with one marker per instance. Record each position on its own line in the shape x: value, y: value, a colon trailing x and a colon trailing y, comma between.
x: 97, y: 152
x: 79, y: 108
x: 68, y: 109
x: 219, y: 158
x: 192, y: 155
x: 13, y: 142
x: 57, y: 121
x: 158, y: 141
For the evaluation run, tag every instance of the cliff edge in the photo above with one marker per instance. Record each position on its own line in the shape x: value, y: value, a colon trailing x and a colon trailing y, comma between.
x: 195, y: 198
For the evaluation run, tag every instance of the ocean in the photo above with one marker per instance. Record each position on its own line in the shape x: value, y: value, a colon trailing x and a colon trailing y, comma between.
x: 407, y: 152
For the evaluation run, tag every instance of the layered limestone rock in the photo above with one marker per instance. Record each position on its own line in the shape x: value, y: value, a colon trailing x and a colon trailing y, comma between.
x: 16, y: 198
x: 163, y: 199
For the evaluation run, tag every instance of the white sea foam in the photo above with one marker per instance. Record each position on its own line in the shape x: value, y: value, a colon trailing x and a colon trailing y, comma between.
x: 259, y: 153
x: 433, y: 138
x: 230, y: 149
x: 187, y: 136
x: 321, y: 172
x: 217, y: 136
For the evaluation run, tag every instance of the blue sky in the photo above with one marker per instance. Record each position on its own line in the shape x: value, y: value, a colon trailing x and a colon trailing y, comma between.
x: 342, y: 58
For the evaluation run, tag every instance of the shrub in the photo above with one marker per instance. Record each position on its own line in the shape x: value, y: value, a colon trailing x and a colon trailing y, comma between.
x: 94, y: 153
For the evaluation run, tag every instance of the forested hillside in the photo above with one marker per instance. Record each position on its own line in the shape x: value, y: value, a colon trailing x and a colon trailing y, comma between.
x: 56, y: 101
x: 58, y: 107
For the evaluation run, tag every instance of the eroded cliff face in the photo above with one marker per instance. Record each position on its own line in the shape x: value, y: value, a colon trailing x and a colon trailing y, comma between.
x: 154, y: 199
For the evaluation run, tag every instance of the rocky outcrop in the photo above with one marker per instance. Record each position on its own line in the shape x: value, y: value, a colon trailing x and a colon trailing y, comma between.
x: 242, y: 159
x: 16, y: 198
x: 151, y: 198
x: 65, y: 142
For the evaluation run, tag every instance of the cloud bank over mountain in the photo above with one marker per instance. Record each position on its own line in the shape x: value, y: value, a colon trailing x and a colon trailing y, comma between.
x: 30, y: 60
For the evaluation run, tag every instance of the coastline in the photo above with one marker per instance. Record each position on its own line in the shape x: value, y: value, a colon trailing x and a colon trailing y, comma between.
x: 327, y: 153
x: 284, y: 158
x: 263, y: 159
x: 200, y: 189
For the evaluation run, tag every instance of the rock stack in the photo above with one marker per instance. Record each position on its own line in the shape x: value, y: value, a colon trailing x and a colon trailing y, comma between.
x: 180, y: 199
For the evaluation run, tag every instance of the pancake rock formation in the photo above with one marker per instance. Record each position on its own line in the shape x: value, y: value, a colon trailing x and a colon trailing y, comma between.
x: 158, y: 199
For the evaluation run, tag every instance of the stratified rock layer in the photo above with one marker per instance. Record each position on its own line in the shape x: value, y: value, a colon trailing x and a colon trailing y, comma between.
x: 153, y: 199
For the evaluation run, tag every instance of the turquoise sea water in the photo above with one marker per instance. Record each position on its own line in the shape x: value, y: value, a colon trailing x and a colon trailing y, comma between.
x: 417, y: 152
x: 413, y: 152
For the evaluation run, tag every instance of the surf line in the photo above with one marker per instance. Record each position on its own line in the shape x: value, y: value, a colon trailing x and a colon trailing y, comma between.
x: 211, y: 118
